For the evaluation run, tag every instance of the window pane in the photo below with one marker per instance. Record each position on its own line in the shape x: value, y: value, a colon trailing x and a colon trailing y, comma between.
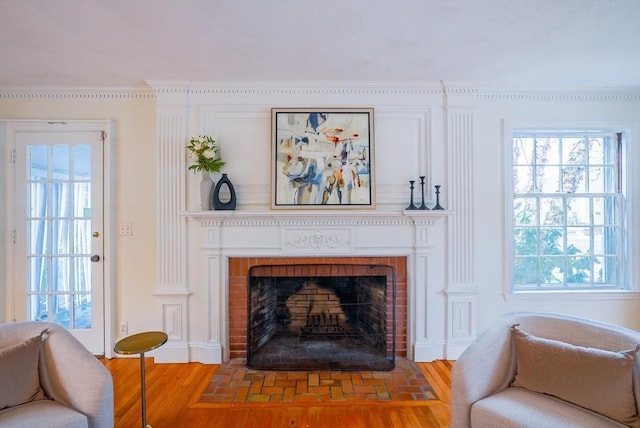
x: 552, y: 269
x: 578, y: 240
x: 579, y: 270
x: 525, y: 241
x: 547, y: 150
x: 596, y: 179
x: 525, y: 270
x: 610, y: 210
x: 605, y: 270
x: 551, y: 240
x: 522, y: 151
x: 548, y: 179
x: 611, y: 240
x: 525, y: 211
x: 578, y: 211
x: 573, y: 151
x: 573, y: 179
x: 598, y: 211
x: 596, y: 151
x: 598, y: 240
x: 522, y: 179
x: 551, y: 211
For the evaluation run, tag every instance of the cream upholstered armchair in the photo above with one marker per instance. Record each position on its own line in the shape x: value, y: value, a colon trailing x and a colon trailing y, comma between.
x: 49, y: 379
x: 551, y: 370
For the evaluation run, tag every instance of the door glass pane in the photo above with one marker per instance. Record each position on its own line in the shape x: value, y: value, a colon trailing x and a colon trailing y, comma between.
x: 81, y: 236
x: 82, y: 310
x: 38, y: 268
x: 38, y: 161
x: 39, y: 307
x: 82, y: 162
x: 82, y: 199
x: 61, y: 161
x: 61, y: 306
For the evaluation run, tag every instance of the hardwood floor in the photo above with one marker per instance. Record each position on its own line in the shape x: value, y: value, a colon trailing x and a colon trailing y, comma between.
x: 173, y: 391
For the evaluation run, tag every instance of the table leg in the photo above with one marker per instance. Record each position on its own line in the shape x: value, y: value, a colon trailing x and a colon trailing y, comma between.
x: 143, y: 391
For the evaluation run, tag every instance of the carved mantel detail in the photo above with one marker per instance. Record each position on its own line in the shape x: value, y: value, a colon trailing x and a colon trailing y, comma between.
x: 310, y: 240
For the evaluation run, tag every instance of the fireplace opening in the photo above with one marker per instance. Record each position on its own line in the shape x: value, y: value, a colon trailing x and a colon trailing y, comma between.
x: 321, y: 317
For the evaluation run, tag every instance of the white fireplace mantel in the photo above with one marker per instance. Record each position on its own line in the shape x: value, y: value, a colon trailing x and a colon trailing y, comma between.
x: 430, y: 128
x: 214, y: 236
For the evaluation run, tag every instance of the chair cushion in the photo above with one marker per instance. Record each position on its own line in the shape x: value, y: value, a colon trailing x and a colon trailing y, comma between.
x: 42, y: 414
x: 19, y: 373
x: 595, y: 379
x: 518, y: 407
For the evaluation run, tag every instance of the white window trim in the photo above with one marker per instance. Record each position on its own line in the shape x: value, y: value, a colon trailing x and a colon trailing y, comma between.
x: 631, y: 216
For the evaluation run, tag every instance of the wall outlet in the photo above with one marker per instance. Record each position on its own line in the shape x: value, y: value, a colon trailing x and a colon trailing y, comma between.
x: 124, y: 328
x: 126, y: 229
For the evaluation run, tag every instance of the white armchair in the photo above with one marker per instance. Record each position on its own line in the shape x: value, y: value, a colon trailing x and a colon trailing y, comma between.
x: 78, y: 389
x: 482, y: 393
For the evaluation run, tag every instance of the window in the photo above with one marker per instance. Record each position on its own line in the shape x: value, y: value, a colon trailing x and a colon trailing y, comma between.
x: 567, y: 211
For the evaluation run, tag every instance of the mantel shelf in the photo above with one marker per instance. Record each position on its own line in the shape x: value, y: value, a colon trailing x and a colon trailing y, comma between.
x: 305, y: 214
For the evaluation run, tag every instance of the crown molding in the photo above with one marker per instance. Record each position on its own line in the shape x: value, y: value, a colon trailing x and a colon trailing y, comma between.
x: 174, y: 87
x: 559, y: 95
x: 295, y: 88
x: 76, y: 93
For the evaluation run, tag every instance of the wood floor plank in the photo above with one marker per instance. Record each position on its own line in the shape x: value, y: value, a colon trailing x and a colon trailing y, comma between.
x: 172, y: 390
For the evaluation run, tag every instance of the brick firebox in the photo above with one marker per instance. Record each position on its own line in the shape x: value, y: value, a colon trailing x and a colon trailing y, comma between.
x: 238, y: 289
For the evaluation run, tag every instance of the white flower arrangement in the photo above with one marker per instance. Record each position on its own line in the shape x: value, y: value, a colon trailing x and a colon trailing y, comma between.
x: 205, y: 152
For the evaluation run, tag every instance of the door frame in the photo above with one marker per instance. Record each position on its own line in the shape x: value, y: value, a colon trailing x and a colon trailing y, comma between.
x: 8, y: 130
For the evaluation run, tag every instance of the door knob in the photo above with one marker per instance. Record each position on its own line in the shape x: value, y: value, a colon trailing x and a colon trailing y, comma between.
x: 95, y: 258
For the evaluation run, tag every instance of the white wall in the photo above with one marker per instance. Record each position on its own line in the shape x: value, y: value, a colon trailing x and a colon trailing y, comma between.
x: 135, y: 182
x: 541, y: 108
x: 473, y: 188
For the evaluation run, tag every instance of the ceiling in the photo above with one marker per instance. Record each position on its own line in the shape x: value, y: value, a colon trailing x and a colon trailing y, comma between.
x: 533, y: 44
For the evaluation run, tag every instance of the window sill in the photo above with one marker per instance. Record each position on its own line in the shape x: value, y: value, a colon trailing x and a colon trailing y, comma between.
x: 572, y: 295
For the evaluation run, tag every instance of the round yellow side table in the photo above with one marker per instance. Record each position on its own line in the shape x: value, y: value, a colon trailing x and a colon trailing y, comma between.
x: 139, y: 344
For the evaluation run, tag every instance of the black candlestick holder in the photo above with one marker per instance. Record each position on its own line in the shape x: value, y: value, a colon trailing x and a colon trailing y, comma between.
x: 438, y: 206
x: 411, y: 186
x: 423, y: 206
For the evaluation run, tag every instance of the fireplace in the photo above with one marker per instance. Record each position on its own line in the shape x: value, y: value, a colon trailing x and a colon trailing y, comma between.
x: 321, y: 317
x: 300, y: 280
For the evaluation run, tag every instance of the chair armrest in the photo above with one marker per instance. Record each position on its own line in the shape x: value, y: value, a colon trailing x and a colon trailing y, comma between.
x: 484, y: 368
x: 69, y: 373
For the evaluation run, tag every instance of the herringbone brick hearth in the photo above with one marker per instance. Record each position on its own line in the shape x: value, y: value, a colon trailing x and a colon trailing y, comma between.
x: 234, y: 383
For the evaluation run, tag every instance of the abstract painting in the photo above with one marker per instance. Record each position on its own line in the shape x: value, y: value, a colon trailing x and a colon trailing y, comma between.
x: 322, y: 158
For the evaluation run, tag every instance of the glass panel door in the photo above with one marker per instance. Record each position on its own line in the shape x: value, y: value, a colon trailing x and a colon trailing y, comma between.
x: 63, y: 231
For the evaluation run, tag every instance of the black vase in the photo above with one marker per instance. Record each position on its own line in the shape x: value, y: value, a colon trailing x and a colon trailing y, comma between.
x: 216, y: 202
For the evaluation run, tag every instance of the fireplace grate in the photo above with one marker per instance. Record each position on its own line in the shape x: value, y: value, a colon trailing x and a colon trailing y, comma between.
x: 319, y: 326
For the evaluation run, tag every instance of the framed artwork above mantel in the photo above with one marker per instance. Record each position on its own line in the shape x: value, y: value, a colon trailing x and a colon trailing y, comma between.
x: 322, y: 158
